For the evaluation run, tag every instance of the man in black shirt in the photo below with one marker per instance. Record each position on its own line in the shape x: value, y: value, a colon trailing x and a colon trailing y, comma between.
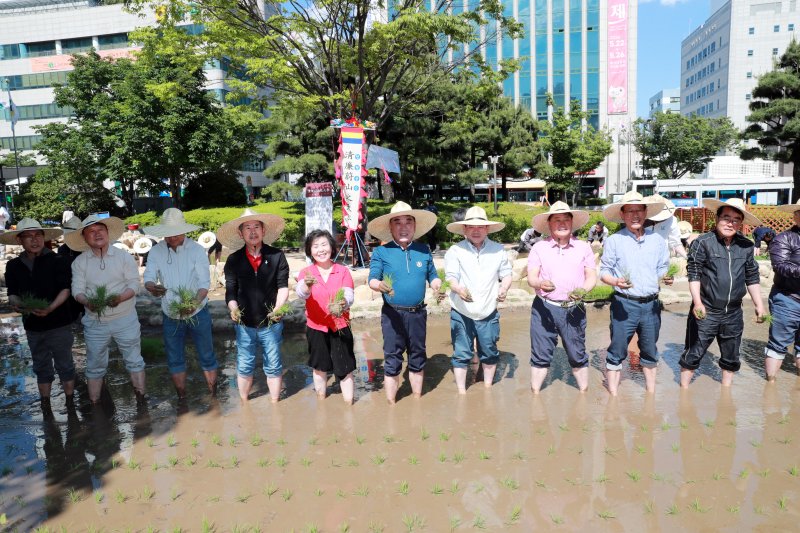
x: 256, y: 287
x: 39, y: 286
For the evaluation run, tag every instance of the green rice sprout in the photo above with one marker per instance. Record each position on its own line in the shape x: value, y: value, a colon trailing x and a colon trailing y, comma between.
x: 437, y: 490
x: 276, y: 314
x: 765, y: 319
x: 184, y: 305
x: 29, y: 303
x: 388, y: 280
x: 100, y: 299
x: 338, y: 305
x: 403, y: 488
x: 699, y: 314
x: 672, y: 270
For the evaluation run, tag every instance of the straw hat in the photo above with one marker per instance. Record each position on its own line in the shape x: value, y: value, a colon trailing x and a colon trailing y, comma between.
x: 142, y: 245
x: 667, y: 210
x: 475, y: 216
x: 685, y: 227
x: 736, y: 203
x: 207, y: 239
x: 613, y: 212
x: 75, y: 240
x: 27, y: 224
x: 579, y: 218
x: 379, y: 227
x: 71, y: 225
x: 228, y: 233
x: 789, y: 208
x: 172, y: 223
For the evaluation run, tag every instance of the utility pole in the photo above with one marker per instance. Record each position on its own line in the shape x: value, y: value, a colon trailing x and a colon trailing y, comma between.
x: 494, y: 159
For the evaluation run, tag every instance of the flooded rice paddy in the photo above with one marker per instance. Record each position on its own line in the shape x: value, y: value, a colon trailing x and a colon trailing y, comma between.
x: 496, y: 459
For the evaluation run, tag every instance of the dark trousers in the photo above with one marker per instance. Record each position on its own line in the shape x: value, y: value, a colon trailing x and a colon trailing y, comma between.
x: 403, y: 331
x: 548, y: 322
x: 727, y: 328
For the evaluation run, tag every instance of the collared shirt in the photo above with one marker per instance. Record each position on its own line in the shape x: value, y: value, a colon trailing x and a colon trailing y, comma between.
x: 322, y: 293
x: 479, y: 271
x: 116, y: 270
x: 563, y: 265
x: 255, y: 260
x: 409, y: 268
x: 186, y: 266
x: 595, y: 235
x: 645, y: 259
x: 669, y: 231
x: 256, y: 292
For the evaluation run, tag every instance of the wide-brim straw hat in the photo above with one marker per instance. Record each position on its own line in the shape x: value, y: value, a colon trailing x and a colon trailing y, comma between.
x: 736, y: 203
x: 540, y: 221
x: 73, y: 224
x: 613, y: 212
x: 228, y: 233
x: 475, y: 216
x: 75, y: 240
x: 207, y: 239
x: 28, y: 224
x: 789, y: 208
x: 667, y: 210
x: 379, y: 227
x: 686, y: 229
x: 172, y: 223
x: 142, y: 245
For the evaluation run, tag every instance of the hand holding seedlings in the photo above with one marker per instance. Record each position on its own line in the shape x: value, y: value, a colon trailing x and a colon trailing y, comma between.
x: 578, y: 294
x: 672, y: 271
x: 547, y: 286
x: 387, y: 285
x: 442, y: 292
x: 100, y: 300
x: 277, y: 314
x: 764, y: 318
x: 309, y: 280
x: 30, y: 305
x: 625, y: 281
x: 338, y: 305
x: 465, y: 294
x: 236, y: 315
x: 156, y: 290
x: 699, y: 312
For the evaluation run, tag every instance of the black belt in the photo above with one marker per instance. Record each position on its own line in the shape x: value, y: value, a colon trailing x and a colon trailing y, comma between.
x: 413, y: 309
x: 639, y: 299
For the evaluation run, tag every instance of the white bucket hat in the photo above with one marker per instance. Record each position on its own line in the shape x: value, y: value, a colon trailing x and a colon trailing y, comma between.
x: 736, y: 203
x: 207, y: 239
x: 75, y: 240
x: 71, y: 225
x: 685, y: 227
x: 613, y: 212
x: 789, y: 208
x: 379, y: 227
x: 475, y: 216
x: 28, y: 224
x: 228, y: 233
x: 142, y: 245
x: 579, y: 218
x: 172, y: 223
x: 667, y: 210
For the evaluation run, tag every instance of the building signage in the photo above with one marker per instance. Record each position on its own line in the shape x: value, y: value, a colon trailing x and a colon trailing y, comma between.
x: 64, y: 61
x: 617, y: 57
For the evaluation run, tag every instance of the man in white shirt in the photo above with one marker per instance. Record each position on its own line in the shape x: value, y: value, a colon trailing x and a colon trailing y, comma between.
x: 102, y: 265
x: 177, y: 267
x: 666, y: 225
x: 473, y: 268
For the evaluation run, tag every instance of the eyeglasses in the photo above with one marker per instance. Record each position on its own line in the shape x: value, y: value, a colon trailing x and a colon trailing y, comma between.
x: 732, y: 221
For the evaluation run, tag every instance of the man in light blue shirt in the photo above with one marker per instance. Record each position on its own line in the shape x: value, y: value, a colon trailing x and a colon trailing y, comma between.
x: 633, y: 262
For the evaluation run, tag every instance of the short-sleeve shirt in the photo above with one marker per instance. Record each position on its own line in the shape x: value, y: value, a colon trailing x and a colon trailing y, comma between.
x: 479, y: 271
x: 409, y: 268
x: 564, y: 266
x: 322, y: 293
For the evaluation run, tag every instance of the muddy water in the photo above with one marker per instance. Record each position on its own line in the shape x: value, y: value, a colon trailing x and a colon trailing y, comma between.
x: 496, y: 459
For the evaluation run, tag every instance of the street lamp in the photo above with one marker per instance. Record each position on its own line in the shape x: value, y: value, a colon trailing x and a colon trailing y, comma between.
x: 494, y: 159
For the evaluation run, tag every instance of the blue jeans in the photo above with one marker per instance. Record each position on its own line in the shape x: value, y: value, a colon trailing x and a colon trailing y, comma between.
x: 464, y: 331
x: 629, y: 317
x: 785, y: 328
x: 175, y: 341
x: 247, y: 342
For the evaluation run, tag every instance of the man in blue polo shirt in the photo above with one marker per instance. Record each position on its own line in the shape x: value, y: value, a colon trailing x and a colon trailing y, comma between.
x: 399, y: 270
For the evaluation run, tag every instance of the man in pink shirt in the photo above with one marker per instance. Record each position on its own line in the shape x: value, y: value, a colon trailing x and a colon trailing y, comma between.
x: 557, y: 266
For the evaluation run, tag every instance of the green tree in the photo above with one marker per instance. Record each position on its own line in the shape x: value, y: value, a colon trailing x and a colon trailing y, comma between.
x: 220, y: 188
x: 675, y: 145
x: 25, y: 160
x: 573, y: 149
x: 775, y: 115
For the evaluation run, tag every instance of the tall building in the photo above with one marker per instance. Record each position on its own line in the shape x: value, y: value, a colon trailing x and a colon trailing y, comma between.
x: 665, y: 100
x: 723, y: 58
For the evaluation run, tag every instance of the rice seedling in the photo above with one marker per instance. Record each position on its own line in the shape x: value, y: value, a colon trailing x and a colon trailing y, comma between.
x: 338, y: 304
x: 362, y: 490
x: 233, y: 462
x: 765, y: 319
x: 573, y: 482
x: 275, y: 314
x: 794, y: 471
x: 445, y: 286
x: 256, y: 440
x: 634, y: 475
x: 782, y: 503
x: 444, y: 436
x: 454, y: 488
x: 263, y: 463
x: 30, y: 303
x: 709, y: 424
x: 98, y: 496
x: 732, y: 422
x: 344, y: 527
x: 641, y: 450
x: 172, y: 441
x: 155, y: 466
x: 784, y: 440
x: 510, y: 483
x: 666, y: 426
x: 232, y: 440
x: 100, y: 300
x: 607, y: 514
x: 378, y: 459
x: 734, y: 509
x: 483, y: 455
x: 458, y: 457
x: 213, y: 499
x: 519, y: 456
x: 149, y: 442
x: 207, y: 526
x: 216, y: 439
x: 190, y: 460
x: 479, y: 522
x: 375, y: 527
x: 172, y: 461
x: 541, y: 432
x: 340, y: 494
x: 305, y: 461
x: 563, y: 427
x: 783, y: 420
x: 269, y: 490
x: 287, y: 494
x: 281, y: 442
x: 649, y: 507
x: 212, y: 464
x: 133, y: 464
x: 676, y: 447
x: 437, y: 490
x: 318, y: 492
x: 173, y: 494
x: 744, y: 473
x: 424, y: 434
x: 281, y: 462
x: 759, y: 510
x: 412, y: 522
x: 442, y: 457
x: 313, y: 441
x: 697, y: 507
x: 403, y: 488
x: 413, y: 460
x: 147, y: 494
x: 388, y: 439
x: 717, y: 476
x: 478, y: 488
x: 540, y: 483
x: 764, y: 473
x: 699, y: 314
x: 195, y: 443
x: 551, y: 449
x: 515, y: 515
x: 114, y: 462
x: 684, y: 425
x: 20, y: 501
x: 611, y: 452
x: 602, y: 478
x: 388, y: 280
x: 557, y: 519
x: 455, y: 521
x: 360, y: 439
x: 352, y: 462
x: 120, y: 496
x: 243, y: 497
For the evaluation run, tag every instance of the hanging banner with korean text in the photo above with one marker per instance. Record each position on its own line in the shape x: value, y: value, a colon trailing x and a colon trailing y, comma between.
x: 351, y: 171
x: 319, y: 206
x: 617, y: 57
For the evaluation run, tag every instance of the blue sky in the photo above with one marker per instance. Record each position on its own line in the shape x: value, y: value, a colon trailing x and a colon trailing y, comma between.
x: 663, y: 24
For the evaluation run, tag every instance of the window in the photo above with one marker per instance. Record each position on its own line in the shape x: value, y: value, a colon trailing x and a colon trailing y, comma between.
x: 749, y: 75
x: 47, y: 48
x: 776, y: 28
x: 748, y: 96
x: 790, y: 27
x: 9, y: 51
x: 774, y: 52
x: 33, y: 112
x: 117, y: 40
x: 75, y: 46
x: 751, y: 30
x: 36, y: 81
x: 749, y: 53
x: 24, y: 142
x: 713, y: 46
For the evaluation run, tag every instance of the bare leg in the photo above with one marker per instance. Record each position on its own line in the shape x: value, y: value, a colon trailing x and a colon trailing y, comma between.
x: 582, y: 377
x: 69, y: 387
x: 686, y: 377
x: 95, y: 386
x: 320, y: 382
x: 179, y: 380
x: 613, y: 378
x: 391, y: 384
x: 274, y: 383
x: 537, y: 378
x: 137, y: 380
x: 245, y: 383
x: 416, y: 379
x: 348, y: 388
x: 211, y: 380
x: 488, y: 375
x: 461, y: 379
x: 45, y: 389
x: 772, y: 366
x: 650, y: 378
x: 727, y: 378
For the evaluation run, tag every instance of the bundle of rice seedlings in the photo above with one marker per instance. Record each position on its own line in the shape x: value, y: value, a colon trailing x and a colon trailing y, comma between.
x: 444, y: 287
x: 276, y: 314
x: 699, y: 314
x: 468, y: 295
x: 576, y: 297
x: 309, y: 279
x: 672, y: 271
x: 388, y: 279
x: 765, y: 319
x: 237, y: 318
x: 184, y: 305
x: 337, y: 304
x: 99, y: 299
x: 30, y: 303
x: 627, y: 277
